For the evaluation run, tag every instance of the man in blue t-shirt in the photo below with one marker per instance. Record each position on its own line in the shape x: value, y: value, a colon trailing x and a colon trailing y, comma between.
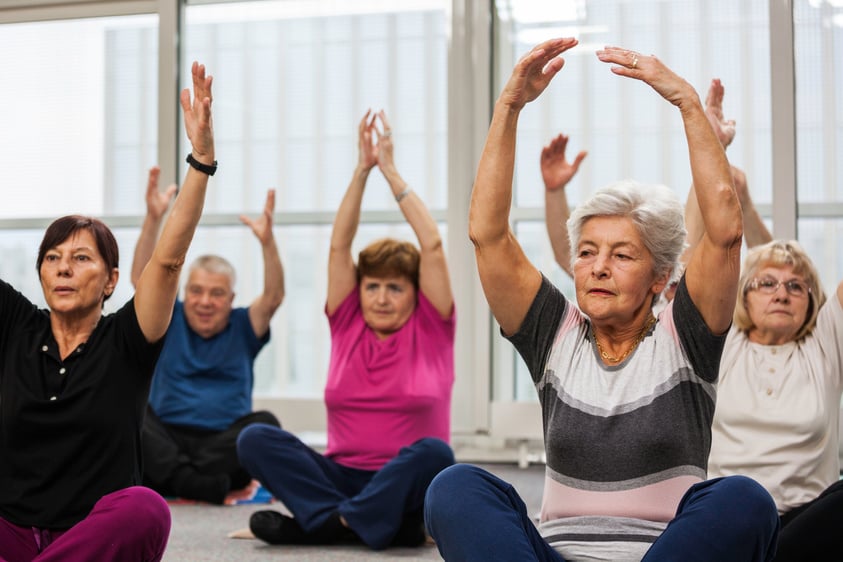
x: 201, y: 394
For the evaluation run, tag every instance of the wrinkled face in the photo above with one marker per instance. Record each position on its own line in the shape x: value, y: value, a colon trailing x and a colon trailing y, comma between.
x: 74, y: 277
x: 387, y: 303
x: 208, y: 298
x: 777, y: 303
x: 613, y: 270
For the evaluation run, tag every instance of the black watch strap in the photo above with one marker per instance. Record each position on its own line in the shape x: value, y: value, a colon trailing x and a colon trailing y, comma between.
x: 204, y: 168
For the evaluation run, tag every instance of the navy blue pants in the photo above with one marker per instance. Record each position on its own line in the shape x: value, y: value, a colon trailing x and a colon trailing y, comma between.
x: 474, y: 515
x: 375, y: 504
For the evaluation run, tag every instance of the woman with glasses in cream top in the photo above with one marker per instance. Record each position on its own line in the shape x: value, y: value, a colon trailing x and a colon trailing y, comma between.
x: 778, y: 398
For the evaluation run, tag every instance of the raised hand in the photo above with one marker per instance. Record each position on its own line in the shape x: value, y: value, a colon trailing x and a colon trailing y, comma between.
x: 556, y: 170
x: 197, y: 115
x: 367, y: 149
x: 649, y: 69
x: 385, y: 154
x: 262, y: 225
x: 534, y: 71
x: 157, y: 201
x: 725, y: 128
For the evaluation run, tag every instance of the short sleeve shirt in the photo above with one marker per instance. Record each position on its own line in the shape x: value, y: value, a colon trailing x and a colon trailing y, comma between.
x: 69, y: 429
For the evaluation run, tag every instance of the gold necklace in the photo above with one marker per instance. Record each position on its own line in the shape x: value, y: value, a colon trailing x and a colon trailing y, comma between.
x: 640, y: 337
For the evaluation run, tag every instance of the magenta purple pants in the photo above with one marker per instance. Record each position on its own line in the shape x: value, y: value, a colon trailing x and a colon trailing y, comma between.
x: 129, y: 525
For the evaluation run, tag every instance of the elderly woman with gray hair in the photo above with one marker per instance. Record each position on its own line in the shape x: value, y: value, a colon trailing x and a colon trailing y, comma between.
x: 779, y: 398
x: 627, y: 398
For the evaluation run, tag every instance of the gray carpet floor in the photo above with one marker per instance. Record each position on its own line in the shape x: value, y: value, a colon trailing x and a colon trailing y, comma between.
x: 200, y: 531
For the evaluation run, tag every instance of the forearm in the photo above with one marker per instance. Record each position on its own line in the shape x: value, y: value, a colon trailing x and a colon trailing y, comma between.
x: 414, y: 210
x: 171, y: 250
x: 754, y: 230
x: 491, y: 197
x: 347, y: 218
x: 719, y: 208
x: 145, y: 245
x: 556, y: 213
x: 273, y: 275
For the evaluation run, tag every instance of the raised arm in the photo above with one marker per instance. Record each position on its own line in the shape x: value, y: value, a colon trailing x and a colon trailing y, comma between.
x: 158, y: 283
x: 157, y: 203
x: 265, y: 305
x: 342, y: 276
x: 714, y: 266
x: 434, y: 280
x: 754, y: 230
x: 510, y: 282
x: 556, y: 173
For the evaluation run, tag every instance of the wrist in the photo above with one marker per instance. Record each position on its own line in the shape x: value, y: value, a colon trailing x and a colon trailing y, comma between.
x: 401, y: 196
x: 201, y: 163
x: 362, y: 170
x: 507, y: 106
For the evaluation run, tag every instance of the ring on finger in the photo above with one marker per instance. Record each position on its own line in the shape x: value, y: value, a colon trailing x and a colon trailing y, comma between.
x: 387, y: 133
x: 634, y: 61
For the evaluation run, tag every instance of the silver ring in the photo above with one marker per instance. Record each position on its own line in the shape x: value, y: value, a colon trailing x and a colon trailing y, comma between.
x: 634, y: 61
x: 387, y: 133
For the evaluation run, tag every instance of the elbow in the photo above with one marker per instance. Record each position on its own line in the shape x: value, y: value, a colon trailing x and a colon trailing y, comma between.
x: 276, y: 300
x: 483, y: 232
x: 432, y: 245
x: 727, y: 226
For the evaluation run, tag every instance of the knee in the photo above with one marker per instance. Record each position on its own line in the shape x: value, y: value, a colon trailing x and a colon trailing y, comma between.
x: 437, y: 454
x: 750, y: 497
x: 144, y: 512
x: 452, y: 482
x: 254, y: 437
x: 266, y: 417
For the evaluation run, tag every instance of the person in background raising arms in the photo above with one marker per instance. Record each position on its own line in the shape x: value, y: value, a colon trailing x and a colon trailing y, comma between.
x: 388, y: 393
x: 627, y: 398
x: 201, y: 395
x: 74, y: 382
x: 780, y: 383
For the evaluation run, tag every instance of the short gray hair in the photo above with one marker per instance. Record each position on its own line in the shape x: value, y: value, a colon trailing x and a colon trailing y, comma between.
x: 214, y: 264
x: 654, y: 210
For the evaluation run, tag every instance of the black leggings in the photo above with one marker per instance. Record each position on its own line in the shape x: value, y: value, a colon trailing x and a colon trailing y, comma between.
x: 194, y: 463
x: 813, y: 531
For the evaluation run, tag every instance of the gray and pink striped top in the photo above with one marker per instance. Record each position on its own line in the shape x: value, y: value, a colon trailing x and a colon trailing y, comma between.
x: 623, y: 443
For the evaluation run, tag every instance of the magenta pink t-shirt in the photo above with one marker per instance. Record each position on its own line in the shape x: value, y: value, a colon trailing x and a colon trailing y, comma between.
x: 382, y: 395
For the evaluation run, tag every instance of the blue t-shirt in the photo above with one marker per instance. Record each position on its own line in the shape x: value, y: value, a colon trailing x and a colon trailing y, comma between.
x: 206, y: 383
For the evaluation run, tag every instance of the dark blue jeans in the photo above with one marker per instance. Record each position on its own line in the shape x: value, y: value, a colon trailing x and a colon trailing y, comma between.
x: 474, y: 515
x: 375, y: 504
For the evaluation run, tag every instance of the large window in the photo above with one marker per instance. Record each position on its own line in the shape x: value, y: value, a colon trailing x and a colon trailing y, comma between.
x: 818, y: 39
x: 291, y: 82
x: 628, y: 130
x: 78, y: 112
x: 89, y: 104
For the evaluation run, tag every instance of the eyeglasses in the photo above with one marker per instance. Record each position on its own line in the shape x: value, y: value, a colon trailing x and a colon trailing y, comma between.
x: 769, y: 285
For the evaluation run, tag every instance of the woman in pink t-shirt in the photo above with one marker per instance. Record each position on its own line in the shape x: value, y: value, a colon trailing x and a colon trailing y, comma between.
x: 388, y: 394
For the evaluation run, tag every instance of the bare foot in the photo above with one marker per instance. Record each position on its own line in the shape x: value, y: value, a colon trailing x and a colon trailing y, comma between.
x: 246, y: 493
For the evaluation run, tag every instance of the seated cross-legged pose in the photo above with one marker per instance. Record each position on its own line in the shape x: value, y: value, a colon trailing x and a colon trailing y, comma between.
x: 778, y: 398
x: 201, y: 395
x: 74, y: 382
x: 388, y: 393
x: 627, y: 397
x: 780, y: 383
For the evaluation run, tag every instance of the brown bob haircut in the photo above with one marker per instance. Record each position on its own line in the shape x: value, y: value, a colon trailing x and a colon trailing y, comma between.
x: 388, y: 257
x: 780, y: 253
x: 63, y: 228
